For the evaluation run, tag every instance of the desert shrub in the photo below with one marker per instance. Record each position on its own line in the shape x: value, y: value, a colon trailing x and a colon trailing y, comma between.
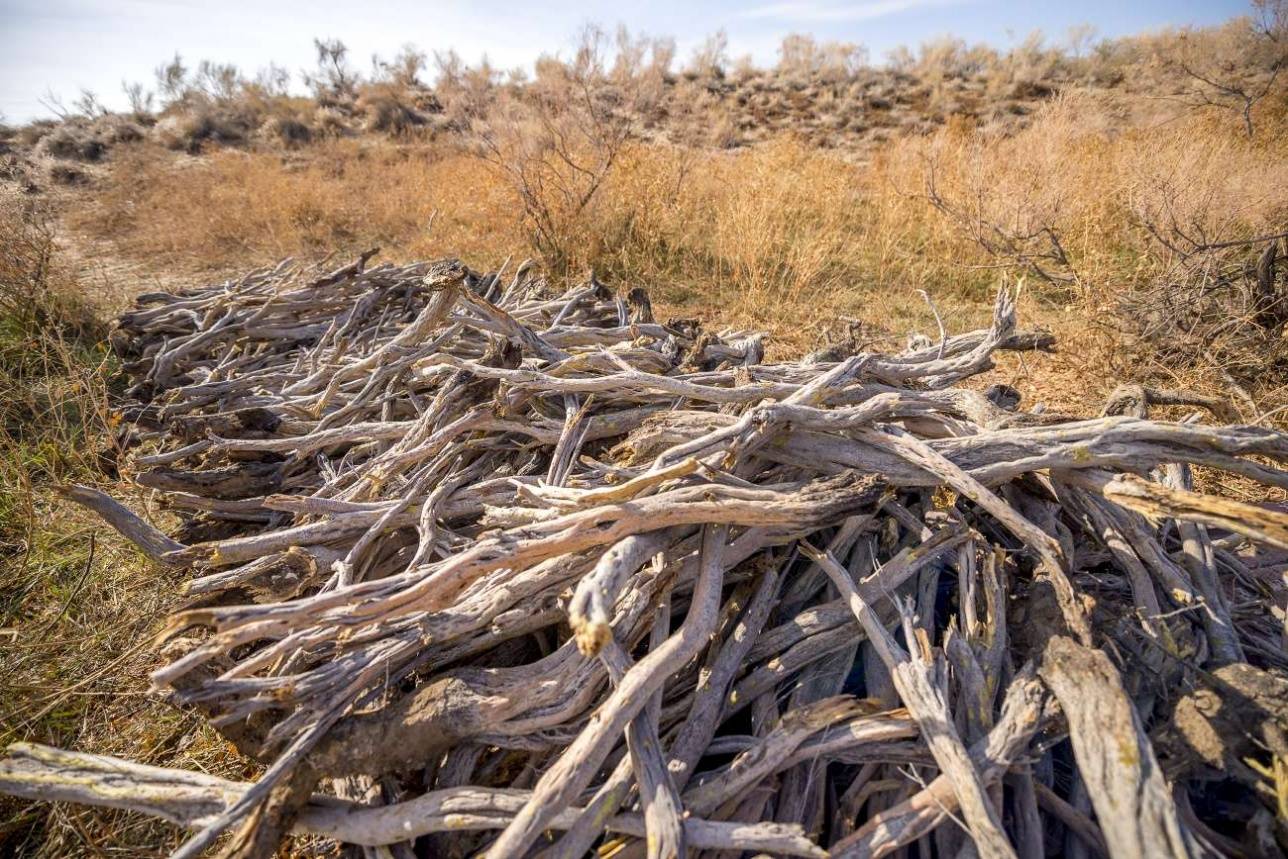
x: 186, y: 129
x: 710, y: 58
x: 943, y: 63
x: 209, y: 83
x: 949, y: 57
x: 801, y: 57
x: 1233, y: 67
x: 396, y: 100
x: 73, y: 140
x: 329, y: 122
x: 33, y: 132
x: 1029, y: 69
x: 384, y: 110
x: 216, y: 103
x: 403, y: 70
x: 1159, y: 231
x: 466, y: 92
x: 900, y: 59
x: 80, y: 139
x: 1221, y: 308
x: 113, y: 129
x: 556, y: 142
x: 45, y: 324
x: 334, y: 82
x: 1112, y: 60
x: 743, y: 70
x: 140, y: 101
x: 62, y: 173
x: 286, y: 131
x: 1210, y: 220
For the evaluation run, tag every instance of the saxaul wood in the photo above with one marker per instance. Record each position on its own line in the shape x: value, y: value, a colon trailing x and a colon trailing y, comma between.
x: 481, y: 567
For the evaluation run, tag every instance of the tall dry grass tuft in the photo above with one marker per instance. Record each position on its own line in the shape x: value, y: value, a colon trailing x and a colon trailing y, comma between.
x: 234, y: 208
x: 78, y: 605
x: 1102, y: 215
x: 52, y: 394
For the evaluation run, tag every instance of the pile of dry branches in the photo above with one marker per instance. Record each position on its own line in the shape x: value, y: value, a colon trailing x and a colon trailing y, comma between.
x: 481, y: 568
x: 1215, y: 304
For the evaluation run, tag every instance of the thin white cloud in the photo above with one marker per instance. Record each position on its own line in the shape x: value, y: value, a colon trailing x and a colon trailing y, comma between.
x: 818, y: 12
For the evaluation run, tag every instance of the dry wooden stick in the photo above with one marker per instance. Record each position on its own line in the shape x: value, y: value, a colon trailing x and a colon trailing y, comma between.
x: 430, y: 522
x: 192, y: 799
x: 1131, y: 797
x: 922, y: 693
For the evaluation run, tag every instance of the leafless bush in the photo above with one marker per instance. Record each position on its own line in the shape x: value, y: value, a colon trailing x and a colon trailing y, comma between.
x: 219, y: 81
x: 385, y: 108
x: 140, y: 101
x: 949, y: 57
x: 1028, y: 69
x: 87, y: 104
x: 31, y: 295
x: 1216, y: 293
x: 1111, y: 60
x: 205, y: 122
x: 900, y: 59
x: 557, y: 140
x: 287, y: 130
x: 467, y: 92
x: 744, y: 69
x: 1233, y: 67
x: 643, y: 63
x: 1017, y: 233
x: 710, y: 58
x: 216, y: 102
x: 801, y: 56
x: 394, y: 100
x: 403, y: 70
x: 272, y: 81
x: 1079, y: 40
x: 172, y: 80
x: 334, y: 82
x: 1222, y: 305
x: 74, y: 140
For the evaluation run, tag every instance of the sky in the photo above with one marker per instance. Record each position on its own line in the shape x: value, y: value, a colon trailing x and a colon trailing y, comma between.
x: 61, y: 46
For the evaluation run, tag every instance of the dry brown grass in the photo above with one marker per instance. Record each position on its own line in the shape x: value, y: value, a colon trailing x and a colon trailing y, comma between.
x: 782, y: 236
x: 232, y: 208
x: 78, y: 605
